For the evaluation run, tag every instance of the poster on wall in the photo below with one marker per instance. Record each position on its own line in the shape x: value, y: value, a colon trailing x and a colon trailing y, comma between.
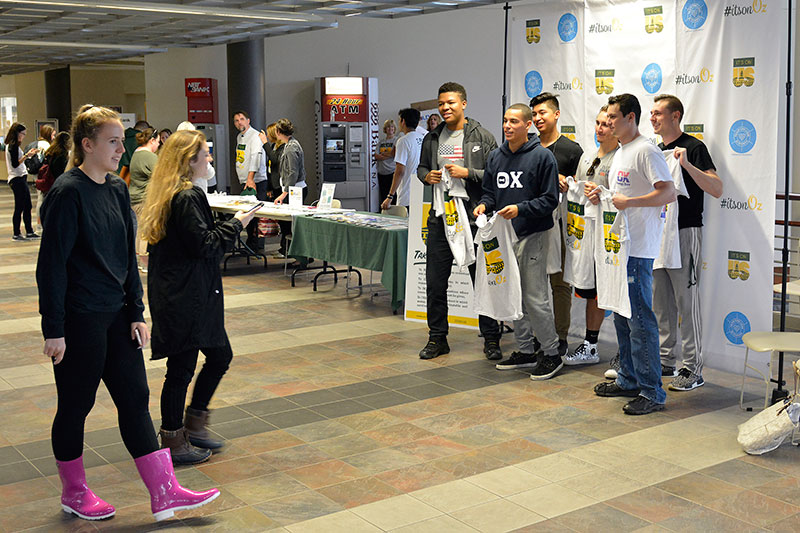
x: 695, y: 50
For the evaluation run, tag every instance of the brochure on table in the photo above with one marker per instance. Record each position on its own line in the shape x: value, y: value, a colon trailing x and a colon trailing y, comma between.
x: 296, y: 197
x: 326, y: 195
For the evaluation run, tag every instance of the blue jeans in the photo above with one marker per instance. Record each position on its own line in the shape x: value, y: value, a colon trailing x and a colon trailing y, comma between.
x: 639, y: 357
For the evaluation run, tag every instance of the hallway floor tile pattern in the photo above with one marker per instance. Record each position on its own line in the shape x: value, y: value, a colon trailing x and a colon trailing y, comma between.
x: 334, y: 424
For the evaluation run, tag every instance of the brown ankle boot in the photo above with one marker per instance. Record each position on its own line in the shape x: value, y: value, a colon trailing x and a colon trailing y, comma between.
x: 196, y: 423
x: 182, y: 451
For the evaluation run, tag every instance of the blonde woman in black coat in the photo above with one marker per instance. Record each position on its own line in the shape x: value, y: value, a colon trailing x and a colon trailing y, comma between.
x: 184, y: 287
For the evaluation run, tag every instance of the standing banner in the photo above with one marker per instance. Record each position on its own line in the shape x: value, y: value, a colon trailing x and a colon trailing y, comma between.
x: 731, y: 88
x: 459, y: 290
x: 716, y: 58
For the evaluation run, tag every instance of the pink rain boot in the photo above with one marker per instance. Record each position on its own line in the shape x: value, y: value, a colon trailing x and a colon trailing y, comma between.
x: 76, y: 497
x: 166, y: 495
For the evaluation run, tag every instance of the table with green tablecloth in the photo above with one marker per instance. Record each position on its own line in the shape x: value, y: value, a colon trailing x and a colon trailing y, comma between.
x: 376, y: 248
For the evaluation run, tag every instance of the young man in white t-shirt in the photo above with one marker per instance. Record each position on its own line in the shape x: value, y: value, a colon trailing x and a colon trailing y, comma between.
x: 642, y: 185
x: 406, y: 157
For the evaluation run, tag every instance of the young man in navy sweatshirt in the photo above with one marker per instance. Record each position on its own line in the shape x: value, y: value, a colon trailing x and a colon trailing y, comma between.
x: 521, y: 184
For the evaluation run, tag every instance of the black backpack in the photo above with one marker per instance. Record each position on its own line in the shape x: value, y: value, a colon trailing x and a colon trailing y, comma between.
x: 33, y: 164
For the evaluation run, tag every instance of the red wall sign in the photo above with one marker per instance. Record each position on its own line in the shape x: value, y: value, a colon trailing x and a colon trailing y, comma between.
x: 201, y: 100
x: 344, y: 108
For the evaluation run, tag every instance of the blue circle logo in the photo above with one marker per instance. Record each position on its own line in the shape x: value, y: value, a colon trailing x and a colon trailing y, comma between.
x: 694, y: 13
x: 533, y: 83
x: 735, y: 325
x: 742, y: 136
x: 651, y: 78
x: 567, y: 27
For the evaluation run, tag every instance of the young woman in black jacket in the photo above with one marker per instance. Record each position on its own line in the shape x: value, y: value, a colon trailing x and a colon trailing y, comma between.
x: 184, y: 287
x: 90, y: 298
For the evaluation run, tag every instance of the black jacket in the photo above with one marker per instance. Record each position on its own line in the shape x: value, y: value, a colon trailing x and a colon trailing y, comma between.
x: 274, y: 165
x: 87, y: 261
x: 184, y: 284
x: 478, y: 143
x: 527, y: 178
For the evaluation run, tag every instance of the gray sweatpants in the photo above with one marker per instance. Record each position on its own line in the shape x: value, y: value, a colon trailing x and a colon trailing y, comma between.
x: 676, y: 303
x: 537, y: 311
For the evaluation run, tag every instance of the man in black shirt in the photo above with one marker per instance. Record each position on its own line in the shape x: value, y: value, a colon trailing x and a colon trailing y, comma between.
x: 546, y: 112
x: 675, y: 290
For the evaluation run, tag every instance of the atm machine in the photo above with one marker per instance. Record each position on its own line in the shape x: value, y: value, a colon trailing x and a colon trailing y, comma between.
x: 347, y: 137
x: 218, y: 148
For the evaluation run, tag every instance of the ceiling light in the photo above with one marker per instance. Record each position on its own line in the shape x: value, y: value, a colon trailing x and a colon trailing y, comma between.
x: 60, y: 44
x: 150, y: 7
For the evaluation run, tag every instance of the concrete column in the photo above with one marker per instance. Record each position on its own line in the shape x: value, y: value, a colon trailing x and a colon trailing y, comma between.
x: 58, y: 96
x: 246, y: 91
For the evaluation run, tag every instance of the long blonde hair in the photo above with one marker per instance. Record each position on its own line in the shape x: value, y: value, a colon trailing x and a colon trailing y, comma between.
x: 272, y: 134
x: 171, y: 175
x: 86, y: 126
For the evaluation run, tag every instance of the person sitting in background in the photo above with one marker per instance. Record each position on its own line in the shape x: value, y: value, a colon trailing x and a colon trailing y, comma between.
x: 384, y: 155
x: 142, y: 164
x: 186, y: 247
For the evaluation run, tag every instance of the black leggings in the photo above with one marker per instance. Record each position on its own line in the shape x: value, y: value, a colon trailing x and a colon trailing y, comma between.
x: 99, y: 346
x: 22, y: 204
x: 180, y: 369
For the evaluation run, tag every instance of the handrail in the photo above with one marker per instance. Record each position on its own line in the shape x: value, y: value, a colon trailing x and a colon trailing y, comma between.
x: 792, y: 196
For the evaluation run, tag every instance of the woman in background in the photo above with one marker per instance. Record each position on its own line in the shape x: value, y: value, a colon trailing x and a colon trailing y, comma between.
x: 56, y: 157
x: 433, y: 121
x: 184, y: 289
x: 90, y: 298
x: 142, y: 163
x: 18, y: 181
x: 384, y: 154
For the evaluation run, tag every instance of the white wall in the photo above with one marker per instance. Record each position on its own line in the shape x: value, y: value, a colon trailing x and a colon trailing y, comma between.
x: 411, y: 57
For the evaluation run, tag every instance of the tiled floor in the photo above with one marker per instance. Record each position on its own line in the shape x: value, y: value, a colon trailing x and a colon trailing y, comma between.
x: 334, y: 424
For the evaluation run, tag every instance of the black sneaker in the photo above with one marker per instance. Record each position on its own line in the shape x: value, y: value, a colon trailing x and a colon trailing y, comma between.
x: 434, y: 348
x: 492, y: 350
x: 668, y: 371
x: 518, y: 360
x: 18, y: 238
x: 610, y: 389
x: 548, y: 366
x: 641, y: 406
x: 32, y: 235
x: 563, y: 347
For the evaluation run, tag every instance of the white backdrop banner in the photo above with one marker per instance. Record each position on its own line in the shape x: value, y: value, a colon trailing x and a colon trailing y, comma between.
x: 716, y: 57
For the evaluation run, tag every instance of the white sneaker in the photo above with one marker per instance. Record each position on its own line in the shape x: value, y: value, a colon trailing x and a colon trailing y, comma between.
x: 584, y: 354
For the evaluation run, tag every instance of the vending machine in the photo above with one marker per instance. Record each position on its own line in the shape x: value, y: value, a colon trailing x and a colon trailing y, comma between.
x: 202, y: 110
x: 347, y: 137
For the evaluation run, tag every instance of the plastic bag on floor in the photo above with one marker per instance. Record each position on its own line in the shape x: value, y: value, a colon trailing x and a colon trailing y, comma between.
x: 769, y: 428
